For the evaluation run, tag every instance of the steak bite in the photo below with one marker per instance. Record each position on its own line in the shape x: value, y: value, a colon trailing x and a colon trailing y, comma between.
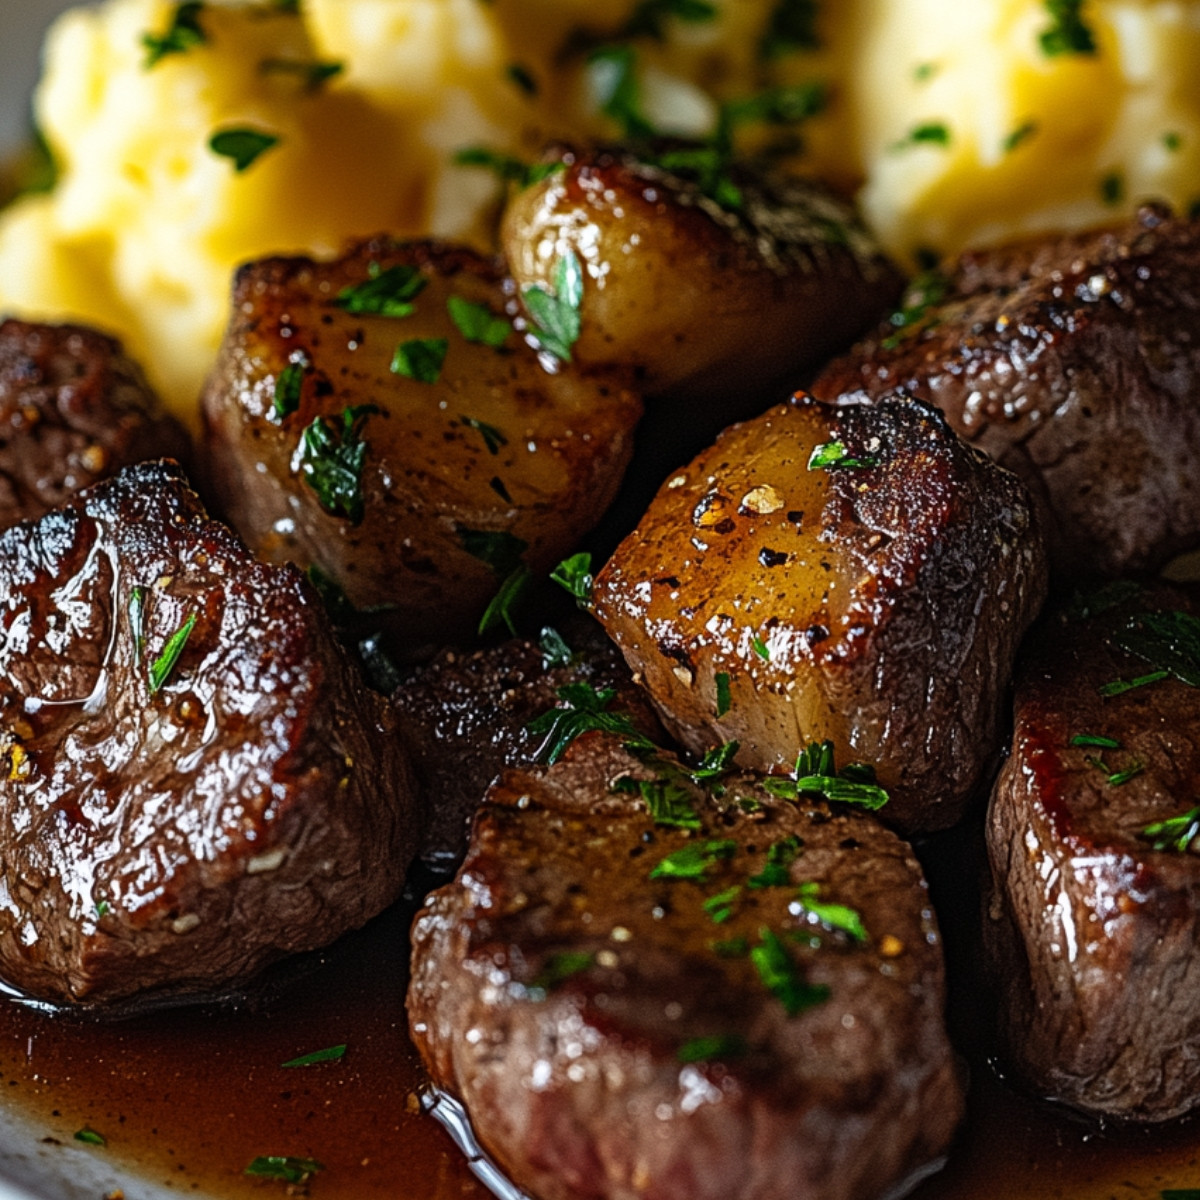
x: 195, y: 780
x: 73, y: 410
x: 1074, y: 362
x: 378, y: 418
x: 468, y: 714
x: 739, y: 996
x: 1093, y: 925
x: 856, y: 574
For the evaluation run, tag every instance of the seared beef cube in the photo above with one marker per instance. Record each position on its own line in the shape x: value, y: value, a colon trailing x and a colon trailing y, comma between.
x: 195, y: 781
x: 1075, y: 362
x: 1093, y: 924
x: 737, y: 996
x: 73, y: 410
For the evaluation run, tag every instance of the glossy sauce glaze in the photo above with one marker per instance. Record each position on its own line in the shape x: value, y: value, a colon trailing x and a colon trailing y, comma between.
x: 188, y: 1098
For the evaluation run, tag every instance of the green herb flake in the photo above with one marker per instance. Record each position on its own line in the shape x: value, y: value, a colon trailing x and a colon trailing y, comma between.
x: 337, y: 604
x: 385, y: 293
x: 500, y: 549
x: 329, y: 1054
x: 556, y: 320
x: 583, y: 709
x: 694, y: 860
x: 719, y: 908
x: 289, y: 384
x: 332, y: 457
x: 508, y: 169
x: 737, y: 947
x: 575, y: 574
x: 182, y: 34
x: 669, y: 804
x: 1117, y: 778
x: 102, y: 908
x: 520, y: 75
x: 242, y: 146
x: 164, y: 664
x: 555, y: 651
x: 477, y: 323
x: 1171, y: 142
x: 1022, y: 133
x: 1069, y: 33
x: 703, y: 1049
x: 834, y: 916
x: 760, y: 647
x: 284, y: 1167
x: 1112, y: 188
x: 723, y: 700
x: 924, y: 293
x: 90, y: 1137
x: 924, y: 72
x: 816, y: 775
x: 1095, y: 739
x: 1118, y: 687
x: 420, y: 359
x: 312, y: 75
x: 781, y: 976
x: 612, y: 74
x: 649, y: 18
x: 137, y: 623
x: 777, y: 871
x: 929, y: 133
x: 715, y: 763
x: 791, y: 27
x: 558, y: 968
x: 1175, y: 833
x: 500, y: 608
x: 833, y: 456
x: 1168, y: 641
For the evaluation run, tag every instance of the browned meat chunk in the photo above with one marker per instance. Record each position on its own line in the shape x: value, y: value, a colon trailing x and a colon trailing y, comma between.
x: 378, y: 417
x: 746, y: 1008
x: 73, y: 410
x: 857, y: 574
x: 1093, y: 924
x: 195, y: 782
x: 1075, y: 363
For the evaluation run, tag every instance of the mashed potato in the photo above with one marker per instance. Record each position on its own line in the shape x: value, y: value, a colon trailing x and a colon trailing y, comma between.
x: 953, y: 119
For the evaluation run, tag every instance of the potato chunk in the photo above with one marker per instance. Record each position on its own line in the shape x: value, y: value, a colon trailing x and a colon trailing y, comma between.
x: 856, y: 574
x: 702, y: 297
x: 377, y: 418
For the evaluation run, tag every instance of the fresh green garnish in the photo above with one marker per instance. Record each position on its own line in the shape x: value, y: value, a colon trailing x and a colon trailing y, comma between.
x: 420, y: 359
x: 669, y: 803
x: 923, y: 72
x: 612, y: 73
x: 1022, y: 133
x: 555, y: 651
x: 329, y: 1054
x: 649, y: 17
x: 1175, y: 833
x: 736, y: 947
x: 288, y: 386
x: 1168, y: 641
x: 833, y: 456
x: 723, y: 700
x: 792, y: 26
x: 477, y: 323
x: 556, y: 317
x: 1112, y: 188
x: 509, y: 169
x: 243, y: 146
x: 927, y: 290
x: 702, y: 1049
x: 716, y: 762
x: 575, y: 574
x: 521, y: 76
x: 493, y: 439
x: 1171, y: 142
x: 337, y: 603
x: 287, y: 7
x: 720, y: 907
x: 1118, y: 687
x: 164, y: 664
x: 500, y: 549
x: 102, y: 908
x: 137, y: 622
x: 90, y: 1137
x: 583, y: 709
x: 285, y: 1167
x: 182, y: 34
x: 1069, y: 33
x: 500, y: 608
x: 313, y: 75
x: 1130, y: 772
x: 817, y: 775
x: 1095, y: 739
x: 929, y: 133
x: 694, y: 860
x: 558, y: 968
x: 774, y: 106
x: 760, y: 647
x: 385, y: 293
x: 835, y: 916
x: 777, y: 871
x: 843, y: 791
x: 332, y: 458
x: 781, y: 976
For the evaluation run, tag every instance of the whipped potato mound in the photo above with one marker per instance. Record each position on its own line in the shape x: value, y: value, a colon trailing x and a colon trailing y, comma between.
x: 276, y: 127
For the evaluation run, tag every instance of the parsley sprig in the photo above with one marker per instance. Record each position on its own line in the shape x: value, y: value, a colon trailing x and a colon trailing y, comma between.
x: 1069, y: 33
x: 583, y: 710
x: 332, y: 457
x: 817, y: 775
x: 556, y: 318
x: 182, y: 34
x: 386, y: 292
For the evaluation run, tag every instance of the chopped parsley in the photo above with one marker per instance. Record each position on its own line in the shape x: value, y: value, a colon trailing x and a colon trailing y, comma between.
x: 90, y: 1137
x: 715, y: 763
x: 509, y: 169
x: 694, y: 860
x: 284, y: 1167
x: 558, y: 968
x: 650, y: 16
x: 164, y: 664
x: 1168, y: 641
x: 833, y: 456
x: 500, y: 549
x: 332, y: 458
x: 556, y: 316
x: 575, y: 574
x: 702, y: 1049
x: 777, y: 871
x: 1097, y: 740
x: 242, y: 146
x: 182, y: 34
x: 500, y: 608
x: 555, y: 651
x: 1022, y: 133
x: 760, y: 647
x: 313, y: 75
x: 668, y: 802
x: 520, y: 75
x: 928, y: 133
x: 1112, y: 188
x: 288, y: 386
x: 835, y: 916
x: 1172, y: 141
x: 1175, y: 833
x: 477, y: 323
x: 493, y: 439
x: 816, y: 775
x: 736, y: 947
x: 329, y: 1054
x: 612, y: 72
x: 337, y: 603
x: 1069, y: 33
x: 723, y: 699
x: 1119, y: 687
x: 385, y: 293
x: 102, y: 908
x: 792, y: 26
x: 923, y: 72
x: 583, y: 709
x: 781, y: 976
x: 420, y: 359
x: 719, y: 908
x: 137, y: 623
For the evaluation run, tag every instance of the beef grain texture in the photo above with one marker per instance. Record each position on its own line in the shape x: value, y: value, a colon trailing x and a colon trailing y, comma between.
x: 467, y: 714
x: 1074, y: 362
x: 73, y: 410
x: 605, y: 1049
x: 172, y: 841
x: 1093, y: 934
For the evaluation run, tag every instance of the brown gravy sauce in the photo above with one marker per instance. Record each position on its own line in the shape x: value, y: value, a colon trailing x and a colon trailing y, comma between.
x: 189, y: 1097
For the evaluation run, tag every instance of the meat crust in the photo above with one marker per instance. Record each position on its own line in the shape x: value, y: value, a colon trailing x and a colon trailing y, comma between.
x: 174, y: 821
